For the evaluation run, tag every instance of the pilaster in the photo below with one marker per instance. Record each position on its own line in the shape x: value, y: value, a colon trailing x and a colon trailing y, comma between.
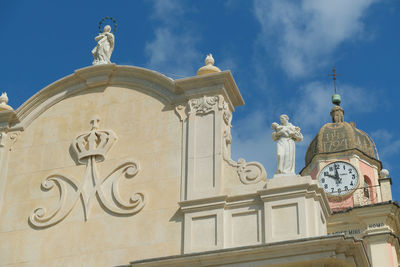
x: 386, y: 189
x: 382, y: 249
x: 210, y: 101
x: 7, y: 139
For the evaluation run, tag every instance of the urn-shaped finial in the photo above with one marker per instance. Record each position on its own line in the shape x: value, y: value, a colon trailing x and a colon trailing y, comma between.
x: 209, y: 60
x: 3, y: 102
x: 209, y: 66
x: 384, y: 173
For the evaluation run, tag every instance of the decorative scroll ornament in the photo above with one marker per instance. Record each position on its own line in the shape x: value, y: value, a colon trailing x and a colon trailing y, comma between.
x: 181, y: 111
x: 7, y: 139
x: 90, y: 149
x: 3, y: 136
x: 249, y: 172
x: 205, y: 104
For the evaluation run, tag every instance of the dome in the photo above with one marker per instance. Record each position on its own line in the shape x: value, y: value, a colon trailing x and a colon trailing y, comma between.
x: 339, y: 136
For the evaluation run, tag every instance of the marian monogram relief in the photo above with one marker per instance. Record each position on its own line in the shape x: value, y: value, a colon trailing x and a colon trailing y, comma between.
x: 91, y: 148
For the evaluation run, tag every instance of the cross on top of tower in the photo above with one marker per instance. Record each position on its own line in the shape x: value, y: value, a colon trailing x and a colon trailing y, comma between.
x: 336, y: 97
x: 334, y: 74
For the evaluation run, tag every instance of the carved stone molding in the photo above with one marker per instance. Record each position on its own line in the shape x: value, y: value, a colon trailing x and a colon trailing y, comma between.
x: 227, y: 117
x: 206, y: 104
x: 90, y: 148
x: 7, y: 139
x: 3, y: 137
x: 250, y: 172
x: 181, y: 111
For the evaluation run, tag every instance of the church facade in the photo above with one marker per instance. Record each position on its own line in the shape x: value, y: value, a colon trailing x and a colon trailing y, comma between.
x: 122, y: 166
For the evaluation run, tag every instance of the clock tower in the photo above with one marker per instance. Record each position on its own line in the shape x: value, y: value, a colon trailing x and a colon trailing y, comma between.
x: 345, y: 162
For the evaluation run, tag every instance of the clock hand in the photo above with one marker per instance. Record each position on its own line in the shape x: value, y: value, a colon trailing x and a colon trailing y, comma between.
x: 332, y: 176
x: 338, y: 179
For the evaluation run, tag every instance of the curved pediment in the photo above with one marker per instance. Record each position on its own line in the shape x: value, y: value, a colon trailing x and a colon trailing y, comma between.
x: 98, y: 77
x: 95, y: 77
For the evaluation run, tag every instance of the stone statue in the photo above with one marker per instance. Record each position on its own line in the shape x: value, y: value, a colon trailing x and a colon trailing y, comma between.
x: 286, y: 134
x: 337, y: 114
x: 104, y: 48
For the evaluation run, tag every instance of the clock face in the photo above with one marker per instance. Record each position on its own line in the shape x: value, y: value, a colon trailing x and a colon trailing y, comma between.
x: 338, y: 178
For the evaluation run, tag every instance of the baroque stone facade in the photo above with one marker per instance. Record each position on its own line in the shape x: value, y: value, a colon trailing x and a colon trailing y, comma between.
x: 123, y: 166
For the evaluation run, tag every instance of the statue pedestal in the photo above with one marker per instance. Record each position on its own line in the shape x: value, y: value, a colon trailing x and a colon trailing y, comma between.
x: 283, y: 175
x: 294, y: 207
x: 291, y: 207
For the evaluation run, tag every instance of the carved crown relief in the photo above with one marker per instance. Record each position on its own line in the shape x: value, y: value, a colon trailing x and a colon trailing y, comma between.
x: 91, y: 148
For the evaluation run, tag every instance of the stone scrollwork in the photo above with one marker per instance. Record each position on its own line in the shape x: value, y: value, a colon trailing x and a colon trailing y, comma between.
x: 181, y: 111
x: 206, y: 104
x: 3, y: 136
x: 249, y: 172
x: 7, y: 139
x: 90, y: 149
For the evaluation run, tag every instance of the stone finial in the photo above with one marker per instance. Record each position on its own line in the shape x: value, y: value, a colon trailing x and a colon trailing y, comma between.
x: 384, y: 173
x: 209, y: 67
x: 3, y: 102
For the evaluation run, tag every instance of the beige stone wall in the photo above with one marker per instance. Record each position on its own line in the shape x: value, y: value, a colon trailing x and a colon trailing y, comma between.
x: 148, y: 132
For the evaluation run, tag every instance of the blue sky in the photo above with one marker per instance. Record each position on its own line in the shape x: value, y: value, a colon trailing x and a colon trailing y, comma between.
x: 280, y: 54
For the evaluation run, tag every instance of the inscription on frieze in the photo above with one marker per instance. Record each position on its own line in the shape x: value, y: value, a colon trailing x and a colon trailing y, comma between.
x: 359, y: 230
x: 335, y: 140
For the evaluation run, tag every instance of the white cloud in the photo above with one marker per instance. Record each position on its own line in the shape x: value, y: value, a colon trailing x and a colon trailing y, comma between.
x: 173, y: 49
x: 312, y: 107
x: 391, y: 149
x: 389, y: 143
x: 173, y: 53
x: 163, y: 10
x: 382, y: 135
x: 227, y: 63
x: 251, y: 140
x: 304, y: 34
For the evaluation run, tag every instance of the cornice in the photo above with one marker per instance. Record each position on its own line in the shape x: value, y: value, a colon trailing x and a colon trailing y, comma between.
x: 168, y: 90
x: 327, y: 249
x: 220, y: 82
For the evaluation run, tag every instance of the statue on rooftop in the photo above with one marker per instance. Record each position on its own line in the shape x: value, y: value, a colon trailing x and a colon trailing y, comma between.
x: 104, y: 48
x: 286, y: 134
